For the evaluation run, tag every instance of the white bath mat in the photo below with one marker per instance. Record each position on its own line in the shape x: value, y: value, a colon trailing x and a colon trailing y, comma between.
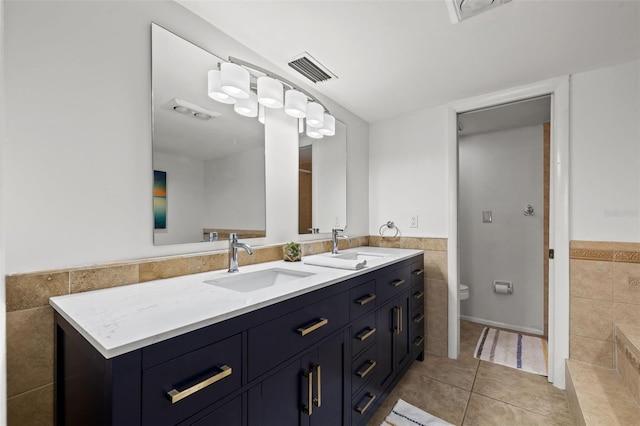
x: 526, y: 353
x: 405, y: 414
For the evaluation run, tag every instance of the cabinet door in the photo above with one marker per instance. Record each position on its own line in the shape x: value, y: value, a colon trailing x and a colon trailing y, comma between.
x: 402, y: 336
x: 393, y: 341
x: 307, y: 392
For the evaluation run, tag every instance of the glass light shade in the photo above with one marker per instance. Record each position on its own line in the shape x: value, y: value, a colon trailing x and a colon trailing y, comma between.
x: 247, y: 107
x: 214, y: 90
x: 315, y: 114
x: 329, y: 126
x: 234, y: 80
x: 270, y: 92
x: 261, y: 113
x: 295, y: 103
x: 314, y: 132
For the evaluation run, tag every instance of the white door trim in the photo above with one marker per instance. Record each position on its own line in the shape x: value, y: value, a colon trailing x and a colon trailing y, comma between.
x: 558, y: 313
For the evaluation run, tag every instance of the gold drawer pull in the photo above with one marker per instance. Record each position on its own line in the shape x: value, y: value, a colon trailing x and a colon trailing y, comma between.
x: 308, y: 409
x: 418, y: 318
x: 365, y: 334
x: 418, y: 295
x: 397, y: 283
x: 362, y: 373
x: 176, y: 395
x: 318, y: 399
x: 313, y: 327
x: 372, y: 398
x: 418, y: 341
x: 418, y: 272
x: 366, y: 299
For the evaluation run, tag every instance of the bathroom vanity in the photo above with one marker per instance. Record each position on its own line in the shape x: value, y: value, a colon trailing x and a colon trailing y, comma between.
x: 314, y: 346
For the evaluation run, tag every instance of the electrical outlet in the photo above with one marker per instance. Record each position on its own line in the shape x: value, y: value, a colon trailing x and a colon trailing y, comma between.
x: 413, y: 223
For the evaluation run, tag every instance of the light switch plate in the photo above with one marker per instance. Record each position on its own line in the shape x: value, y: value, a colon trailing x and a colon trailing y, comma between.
x: 487, y: 216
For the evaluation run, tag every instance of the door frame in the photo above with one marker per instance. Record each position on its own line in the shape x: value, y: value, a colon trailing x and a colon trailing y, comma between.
x: 558, y: 314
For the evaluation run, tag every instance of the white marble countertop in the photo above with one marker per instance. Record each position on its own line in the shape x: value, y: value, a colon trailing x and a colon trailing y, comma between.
x: 122, y: 319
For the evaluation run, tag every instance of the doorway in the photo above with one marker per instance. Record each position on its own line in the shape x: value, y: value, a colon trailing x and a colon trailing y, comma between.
x: 503, y: 215
x: 558, y: 311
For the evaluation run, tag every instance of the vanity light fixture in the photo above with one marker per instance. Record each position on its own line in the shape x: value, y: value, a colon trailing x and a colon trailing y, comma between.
x: 214, y: 90
x: 247, y: 107
x: 314, y: 132
x: 329, y: 126
x: 315, y: 115
x: 270, y: 92
x: 295, y: 103
x: 234, y: 80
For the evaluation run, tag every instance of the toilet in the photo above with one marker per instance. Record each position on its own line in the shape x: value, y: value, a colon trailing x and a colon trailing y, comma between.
x: 463, y: 292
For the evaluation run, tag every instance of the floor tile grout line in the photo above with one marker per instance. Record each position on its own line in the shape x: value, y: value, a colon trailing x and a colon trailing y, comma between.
x: 464, y: 415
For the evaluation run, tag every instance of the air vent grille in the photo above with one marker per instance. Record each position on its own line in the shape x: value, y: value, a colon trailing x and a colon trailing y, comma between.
x: 306, y: 65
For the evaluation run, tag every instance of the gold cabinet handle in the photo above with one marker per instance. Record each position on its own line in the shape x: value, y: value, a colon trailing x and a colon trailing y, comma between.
x: 308, y: 409
x: 313, y: 327
x: 397, y: 283
x: 176, y: 395
x: 317, y: 401
x: 372, y: 398
x: 366, y: 333
x: 400, y: 317
x: 396, y: 328
x: 363, y: 372
x: 418, y: 341
x: 418, y: 318
x: 418, y: 272
x: 366, y: 299
x: 418, y: 295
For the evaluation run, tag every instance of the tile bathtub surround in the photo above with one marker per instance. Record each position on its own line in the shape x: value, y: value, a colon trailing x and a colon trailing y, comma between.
x: 30, y: 319
x: 628, y: 357
x: 605, y: 291
x: 436, y: 285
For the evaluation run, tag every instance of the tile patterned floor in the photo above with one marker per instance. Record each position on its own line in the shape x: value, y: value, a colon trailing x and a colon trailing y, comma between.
x: 469, y: 392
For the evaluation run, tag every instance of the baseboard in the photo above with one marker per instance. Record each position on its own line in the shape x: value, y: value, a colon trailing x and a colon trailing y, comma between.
x: 503, y: 325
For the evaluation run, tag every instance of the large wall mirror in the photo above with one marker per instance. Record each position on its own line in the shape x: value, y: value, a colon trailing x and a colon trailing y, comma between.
x: 323, y: 182
x: 208, y: 161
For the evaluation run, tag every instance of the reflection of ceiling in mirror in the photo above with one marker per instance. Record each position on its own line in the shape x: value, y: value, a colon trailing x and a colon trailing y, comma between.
x: 180, y: 71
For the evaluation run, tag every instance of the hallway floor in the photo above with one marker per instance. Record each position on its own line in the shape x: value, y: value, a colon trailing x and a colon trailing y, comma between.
x: 468, y: 391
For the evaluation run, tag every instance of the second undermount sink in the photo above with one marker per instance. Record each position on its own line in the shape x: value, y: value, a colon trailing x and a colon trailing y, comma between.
x: 252, y: 281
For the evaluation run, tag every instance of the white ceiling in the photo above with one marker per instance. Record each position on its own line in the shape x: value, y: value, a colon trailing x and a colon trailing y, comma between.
x: 395, y: 57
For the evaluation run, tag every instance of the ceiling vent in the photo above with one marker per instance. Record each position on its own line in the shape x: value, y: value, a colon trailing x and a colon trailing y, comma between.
x: 308, y: 66
x: 464, y: 9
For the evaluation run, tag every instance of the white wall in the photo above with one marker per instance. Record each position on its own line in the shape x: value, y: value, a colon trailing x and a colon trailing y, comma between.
x: 3, y: 306
x: 235, y: 182
x: 605, y: 154
x: 78, y: 135
x: 408, y: 173
x: 185, y: 187
x: 329, y: 171
x: 502, y: 172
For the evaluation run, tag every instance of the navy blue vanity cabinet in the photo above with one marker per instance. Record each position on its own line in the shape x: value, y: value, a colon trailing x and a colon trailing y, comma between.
x: 328, y: 357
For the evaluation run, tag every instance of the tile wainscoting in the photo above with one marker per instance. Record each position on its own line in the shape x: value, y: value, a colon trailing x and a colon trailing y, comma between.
x: 605, y: 291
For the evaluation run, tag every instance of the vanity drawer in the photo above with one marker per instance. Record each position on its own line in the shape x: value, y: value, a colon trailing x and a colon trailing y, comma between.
x: 393, y: 283
x: 363, y: 333
x: 276, y: 340
x: 417, y: 272
x: 178, y: 388
x: 418, y: 341
x: 364, y: 404
x: 363, y: 299
x: 417, y: 296
x: 363, y: 368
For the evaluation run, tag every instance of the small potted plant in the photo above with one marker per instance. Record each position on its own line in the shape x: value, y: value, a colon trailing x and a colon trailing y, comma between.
x: 292, y: 252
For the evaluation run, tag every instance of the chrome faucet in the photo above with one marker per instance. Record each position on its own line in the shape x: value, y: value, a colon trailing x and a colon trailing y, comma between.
x: 234, y: 245
x: 334, y: 239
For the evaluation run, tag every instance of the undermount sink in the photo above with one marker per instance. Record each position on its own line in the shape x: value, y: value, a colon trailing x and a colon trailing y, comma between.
x: 359, y: 256
x: 251, y: 281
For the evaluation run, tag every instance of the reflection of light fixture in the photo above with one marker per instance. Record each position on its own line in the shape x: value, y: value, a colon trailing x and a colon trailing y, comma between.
x: 234, y: 80
x: 329, y: 126
x: 270, y: 92
x: 187, y: 108
x: 295, y: 103
x: 315, y: 114
x: 214, y: 90
x: 464, y: 9
x: 247, y: 107
x: 314, y: 132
